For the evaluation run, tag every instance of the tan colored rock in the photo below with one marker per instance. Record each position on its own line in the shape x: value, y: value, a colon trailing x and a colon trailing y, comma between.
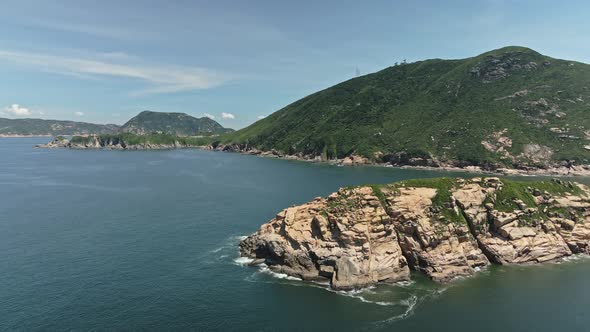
x: 357, y: 237
x: 539, y: 248
x: 355, y: 160
x: 571, y: 201
x: 442, y: 251
x: 576, y: 235
x: 348, y: 239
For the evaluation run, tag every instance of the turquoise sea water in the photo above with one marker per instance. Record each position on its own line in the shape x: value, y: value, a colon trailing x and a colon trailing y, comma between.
x: 147, y: 240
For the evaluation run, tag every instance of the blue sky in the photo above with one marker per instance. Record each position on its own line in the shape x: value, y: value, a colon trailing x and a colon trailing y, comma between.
x: 105, y: 61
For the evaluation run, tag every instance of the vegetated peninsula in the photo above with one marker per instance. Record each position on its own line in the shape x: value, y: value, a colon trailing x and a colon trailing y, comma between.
x: 508, y: 108
x: 445, y: 228
x: 149, y: 130
x: 128, y: 141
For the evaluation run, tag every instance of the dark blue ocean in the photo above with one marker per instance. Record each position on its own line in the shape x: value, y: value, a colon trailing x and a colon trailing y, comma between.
x: 147, y: 240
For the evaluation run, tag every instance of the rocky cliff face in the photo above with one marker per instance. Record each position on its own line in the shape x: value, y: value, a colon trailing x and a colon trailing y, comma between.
x: 445, y: 228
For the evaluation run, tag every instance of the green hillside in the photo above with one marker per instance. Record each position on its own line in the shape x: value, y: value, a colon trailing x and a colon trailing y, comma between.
x: 508, y: 107
x: 179, y: 124
x: 52, y: 127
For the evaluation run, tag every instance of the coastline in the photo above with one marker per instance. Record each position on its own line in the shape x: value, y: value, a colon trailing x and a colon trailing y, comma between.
x: 353, y: 160
x: 576, y: 171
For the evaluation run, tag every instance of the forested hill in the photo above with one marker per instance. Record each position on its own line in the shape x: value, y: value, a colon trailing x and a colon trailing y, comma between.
x: 512, y: 106
x: 179, y: 124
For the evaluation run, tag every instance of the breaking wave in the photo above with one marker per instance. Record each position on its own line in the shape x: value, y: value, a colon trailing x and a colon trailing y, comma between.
x: 402, y: 297
x: 243, y: 261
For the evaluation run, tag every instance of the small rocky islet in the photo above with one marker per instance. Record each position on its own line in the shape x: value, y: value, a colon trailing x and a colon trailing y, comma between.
x: 443, y: 227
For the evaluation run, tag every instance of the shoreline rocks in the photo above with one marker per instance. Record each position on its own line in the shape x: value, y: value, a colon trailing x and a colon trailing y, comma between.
x: 563, y: 169
x: 96, y: 142
x: 444, y: 228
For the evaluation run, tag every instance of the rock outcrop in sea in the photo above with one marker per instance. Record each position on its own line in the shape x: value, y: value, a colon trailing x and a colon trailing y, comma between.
x: 445, y: 228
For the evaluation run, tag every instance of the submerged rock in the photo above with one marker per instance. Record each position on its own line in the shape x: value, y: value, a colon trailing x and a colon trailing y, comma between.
x: 445, y: 228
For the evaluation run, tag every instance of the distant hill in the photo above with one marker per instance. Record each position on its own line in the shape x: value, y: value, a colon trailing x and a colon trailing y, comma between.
x: 508, y: 107
x: 179, y: 124
x: 52, y: 127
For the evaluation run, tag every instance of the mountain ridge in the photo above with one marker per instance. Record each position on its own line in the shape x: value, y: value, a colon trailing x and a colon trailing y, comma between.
x: 42, y: 127
x: 145, y: 123
x: 172, y: 123
x: 511, y: 107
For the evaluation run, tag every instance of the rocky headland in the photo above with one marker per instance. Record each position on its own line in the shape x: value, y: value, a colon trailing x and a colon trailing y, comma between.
x: 122, y: 142
x: 445, y: 228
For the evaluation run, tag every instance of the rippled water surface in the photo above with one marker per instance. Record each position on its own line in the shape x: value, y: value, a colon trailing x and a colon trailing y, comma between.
x: 147, y: 240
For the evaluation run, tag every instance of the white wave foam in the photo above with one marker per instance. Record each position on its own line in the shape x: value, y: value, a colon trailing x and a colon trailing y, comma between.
x: 217, y: 250
x: 573, y: 258
x: 231, y: 243
x: 243, y: 261
x: 410, y: 303
x: 358, y: 294
x: 321, y: 283
x: 264, y: 269
x: 382, y: 303
x: 405, y: 283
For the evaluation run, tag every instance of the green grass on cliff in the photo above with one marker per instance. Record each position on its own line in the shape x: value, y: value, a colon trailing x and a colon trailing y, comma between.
x: 440, y: 109
x: 440, y: 201
x: 443, y: 188
x: 516, y: 190
x: 504, y: 199
x: 379, y: 194
x: 443, y: 198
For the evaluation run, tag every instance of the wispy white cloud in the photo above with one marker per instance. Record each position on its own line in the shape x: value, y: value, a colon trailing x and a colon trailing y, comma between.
x: 17, y: 110
x: 227, y: 116
x: 79, y: 113
x: 210, y: 116
x: 99, y: 30
x: 159, y: 79
x: 261, y: 117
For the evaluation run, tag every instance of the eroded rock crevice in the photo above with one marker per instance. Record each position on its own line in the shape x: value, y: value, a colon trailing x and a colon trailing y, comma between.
x: 471, y: 227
